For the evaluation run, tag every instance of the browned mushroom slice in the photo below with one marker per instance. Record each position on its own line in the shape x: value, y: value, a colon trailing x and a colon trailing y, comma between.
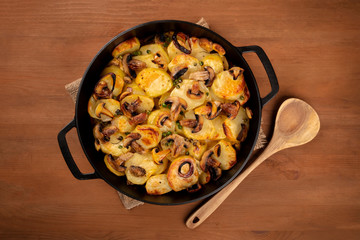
x: 243, y: 133
x: 194, y: 188
x: 130, y: 138
x: 138, y: 119
x: 159, y: 156
x: 126, y: 59
x: 176, y: 144
x: 231, y: 109
x: 137, y: 65
x: 219, y: 49
x: 191, y: 123
x: 199, y: 123
x: 100, y: 109
x: 179, y: 73
x: 129, y: 109
x: 177, y: 104
x: 208, y: 163
x: 137, y: 147
x: 210, y: 110
x: 178, y: 45
x: 137, y: 171
x: 199, y: 75
x: 182, y: 173
x: 236, y: 72
x: 105, y: 85
x: 195, y: 92
x: 211, y: 73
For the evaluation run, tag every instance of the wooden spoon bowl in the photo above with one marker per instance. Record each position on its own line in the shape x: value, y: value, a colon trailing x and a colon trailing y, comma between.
x: 296, y: 124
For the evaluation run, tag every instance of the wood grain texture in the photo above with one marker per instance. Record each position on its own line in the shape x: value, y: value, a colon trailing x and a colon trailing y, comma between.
x: 310, y: 192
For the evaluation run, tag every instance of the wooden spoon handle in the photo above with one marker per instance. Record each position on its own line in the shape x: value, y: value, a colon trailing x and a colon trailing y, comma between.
x: 201, y: 214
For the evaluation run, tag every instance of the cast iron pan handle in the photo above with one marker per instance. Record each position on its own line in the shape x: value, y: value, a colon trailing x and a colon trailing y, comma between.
x: 268, y: 68
x: 67, y: 155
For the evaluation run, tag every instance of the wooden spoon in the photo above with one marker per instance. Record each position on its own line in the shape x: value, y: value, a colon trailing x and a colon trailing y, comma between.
x: 296, y: 123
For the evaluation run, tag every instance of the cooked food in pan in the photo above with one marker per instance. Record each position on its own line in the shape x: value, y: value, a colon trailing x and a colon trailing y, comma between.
x: 169, y: 112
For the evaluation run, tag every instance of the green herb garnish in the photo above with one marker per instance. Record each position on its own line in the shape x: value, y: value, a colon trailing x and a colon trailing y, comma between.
x: 136, y: 53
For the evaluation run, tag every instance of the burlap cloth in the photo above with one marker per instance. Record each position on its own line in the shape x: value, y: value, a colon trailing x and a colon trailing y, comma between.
x: 129, y: 203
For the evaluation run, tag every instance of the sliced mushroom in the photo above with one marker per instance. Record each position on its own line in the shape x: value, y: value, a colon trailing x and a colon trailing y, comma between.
x: 118, y: 162
x: 199, y: 75
x: 177, y: 143
x: 138, y: 119
x: 161, y: 61
x: 130, y: 138
x: 219, y: 49
x: 126, y: 59
x: 137, y: 147
x: 208, y: 163
x: 179, y: 73
x: 191, y: 123
x: 211, y: 77
x: 135, y: 64
x: 177, y: 104
x: 105, y: 86
x: 248, y: 112
x: 182, y: 173
x: 178, y: 45
x: 231, y: 109
x: 129, y: 109
x: 108, y: 131
x: 194, y: 188
x: 243, y: 133
x: 194, y: 92
x: 101, y: 110
x: 124, y: 95
x: 159, y: 156
x: 199, y: 123
x: 210, y: 110
x: 236, y: 72
x: 137, y: 171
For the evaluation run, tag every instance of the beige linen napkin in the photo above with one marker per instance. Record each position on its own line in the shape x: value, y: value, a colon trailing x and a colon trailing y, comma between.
x: 129, y: 203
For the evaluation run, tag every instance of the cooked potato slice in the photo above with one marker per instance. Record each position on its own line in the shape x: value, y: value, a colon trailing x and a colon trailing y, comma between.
x: 139, y: 168
x: 182, y: 61
x: 218, y: 126
x: 182, y: 173
x: 192, y: 91
x: 134, y: 88
x: 127, y: 46
x: 232, y: 128
x: 150, y: 136
x: 158, y: 185
x: 154, y: 81
x: 225, y: 154
x: 230, y: 85
x: 122, y: 123
x: 215, y: 62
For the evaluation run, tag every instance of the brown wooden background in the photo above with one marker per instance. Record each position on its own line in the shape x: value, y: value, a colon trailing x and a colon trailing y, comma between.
x: 310, y: 192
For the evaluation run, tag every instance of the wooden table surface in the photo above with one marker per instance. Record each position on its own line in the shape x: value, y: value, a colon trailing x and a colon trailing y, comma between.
x: 309, y: 192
